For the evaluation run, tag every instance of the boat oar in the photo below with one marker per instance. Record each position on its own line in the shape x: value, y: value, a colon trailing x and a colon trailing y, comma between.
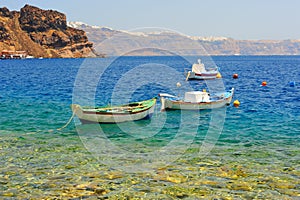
x: 120, y: 108
x: 133, y: 107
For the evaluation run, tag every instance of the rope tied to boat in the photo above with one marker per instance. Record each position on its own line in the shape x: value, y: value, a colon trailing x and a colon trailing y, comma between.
x: 71, y: 118
x: 188, y: 76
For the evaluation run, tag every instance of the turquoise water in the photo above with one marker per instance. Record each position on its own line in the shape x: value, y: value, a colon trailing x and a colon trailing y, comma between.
x: 249, y: 152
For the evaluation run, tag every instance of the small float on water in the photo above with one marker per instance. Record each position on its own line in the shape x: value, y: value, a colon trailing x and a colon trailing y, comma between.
x: 196, y: 100
x: 264, y: 83
x: 236, y: 103
x: 115, y: 114
x: 235, y: 76
x: 200, y: 72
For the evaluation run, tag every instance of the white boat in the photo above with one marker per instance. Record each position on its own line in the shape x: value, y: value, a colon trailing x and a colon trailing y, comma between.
x: 200, y: 72
x: 115, y: 114
x: 29, y: 57
x: 196, y: 100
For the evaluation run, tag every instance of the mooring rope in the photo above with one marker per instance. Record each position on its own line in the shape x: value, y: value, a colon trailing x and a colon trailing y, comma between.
x: 188, y: 76
x: 73, y: 115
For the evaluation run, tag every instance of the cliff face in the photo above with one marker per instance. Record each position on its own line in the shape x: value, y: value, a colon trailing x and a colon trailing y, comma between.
x: 42, y: 33
x: 4, y: 34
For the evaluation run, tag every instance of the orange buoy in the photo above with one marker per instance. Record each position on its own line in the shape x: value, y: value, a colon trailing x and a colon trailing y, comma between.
x: 235, y: 76
x: 264, y: 83
x: 236, y: 103
x: 219, y: 75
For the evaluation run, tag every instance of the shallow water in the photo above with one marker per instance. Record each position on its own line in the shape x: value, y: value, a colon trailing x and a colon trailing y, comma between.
x: 250, y: 152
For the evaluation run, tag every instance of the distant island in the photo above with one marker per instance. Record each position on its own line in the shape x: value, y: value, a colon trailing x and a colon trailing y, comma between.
x: 33, y: 32
x: 117, y: 42
x: 41, y: 33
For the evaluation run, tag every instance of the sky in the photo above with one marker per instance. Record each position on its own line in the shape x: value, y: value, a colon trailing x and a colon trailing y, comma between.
x: 238, y: 19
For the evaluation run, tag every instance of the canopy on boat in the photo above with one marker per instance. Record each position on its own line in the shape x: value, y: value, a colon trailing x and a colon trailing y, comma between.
x: 198, y: 67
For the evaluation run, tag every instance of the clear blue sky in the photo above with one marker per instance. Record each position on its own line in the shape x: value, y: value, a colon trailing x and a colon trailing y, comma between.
x: 239, y: 19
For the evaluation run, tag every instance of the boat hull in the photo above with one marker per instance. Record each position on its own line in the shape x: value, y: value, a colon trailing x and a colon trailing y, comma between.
x: 168, y: 104
x: 203, y: 76
x: 113, y: 119
x: 93, y: 116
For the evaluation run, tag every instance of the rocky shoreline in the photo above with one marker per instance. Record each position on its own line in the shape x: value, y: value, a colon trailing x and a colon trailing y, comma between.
x: 42, y: 33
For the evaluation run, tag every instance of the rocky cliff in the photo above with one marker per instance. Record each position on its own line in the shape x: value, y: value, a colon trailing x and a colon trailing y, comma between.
x: 42, y: 33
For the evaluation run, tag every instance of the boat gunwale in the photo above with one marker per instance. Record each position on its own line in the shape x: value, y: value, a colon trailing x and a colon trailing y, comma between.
x: 200, y: 103
x: 206, y: 74
x: 125, y: 112
x: 115, y: 113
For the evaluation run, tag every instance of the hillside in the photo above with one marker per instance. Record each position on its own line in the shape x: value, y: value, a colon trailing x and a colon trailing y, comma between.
x: 42, y: 33
x: 117, y: 42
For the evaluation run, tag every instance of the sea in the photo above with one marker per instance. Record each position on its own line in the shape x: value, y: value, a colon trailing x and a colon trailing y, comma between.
x: 250, y: 151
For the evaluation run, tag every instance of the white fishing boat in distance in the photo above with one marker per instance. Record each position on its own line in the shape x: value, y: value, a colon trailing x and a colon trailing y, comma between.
x: 200, y: 72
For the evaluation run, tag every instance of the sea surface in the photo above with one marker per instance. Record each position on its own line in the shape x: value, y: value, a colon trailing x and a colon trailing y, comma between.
x: 246, y: 152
